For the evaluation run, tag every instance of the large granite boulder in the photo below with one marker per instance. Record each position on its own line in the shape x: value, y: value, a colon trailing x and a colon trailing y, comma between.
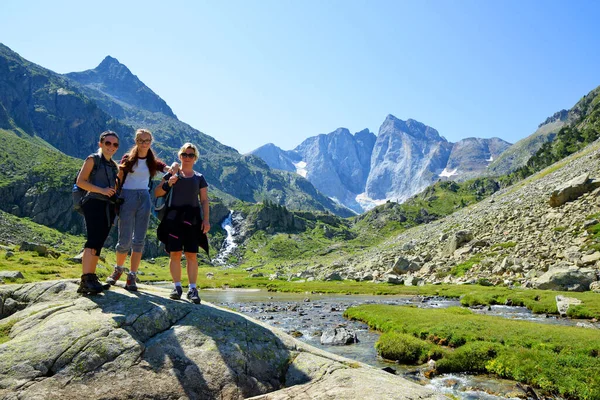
x: 568, y: 278
x: 123, y: 345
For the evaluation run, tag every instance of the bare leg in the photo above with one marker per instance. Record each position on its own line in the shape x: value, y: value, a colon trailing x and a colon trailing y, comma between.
x: 192, y: 266
x: 121, y: 257
x: 175, y: 266
x: 136, y: 258
x: 89, y: 261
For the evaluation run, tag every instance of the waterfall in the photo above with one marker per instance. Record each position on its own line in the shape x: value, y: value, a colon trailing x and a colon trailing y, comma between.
x: 228, y: 244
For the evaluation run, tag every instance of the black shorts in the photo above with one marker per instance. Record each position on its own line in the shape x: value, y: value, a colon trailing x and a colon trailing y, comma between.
x: 185, y: 238
x: 186, y: 242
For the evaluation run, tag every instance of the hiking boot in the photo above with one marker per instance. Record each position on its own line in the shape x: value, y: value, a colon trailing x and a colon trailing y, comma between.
x: 193, y: 296
x: 89, y: 284
x: 176, y: 293
x: 114, y: 277
x: 130, y: 284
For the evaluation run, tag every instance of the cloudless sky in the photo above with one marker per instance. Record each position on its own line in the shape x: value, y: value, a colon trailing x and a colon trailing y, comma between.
x: 252, y: 72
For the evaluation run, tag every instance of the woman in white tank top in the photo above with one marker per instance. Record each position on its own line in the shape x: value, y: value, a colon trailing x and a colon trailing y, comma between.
x: 137, y: 168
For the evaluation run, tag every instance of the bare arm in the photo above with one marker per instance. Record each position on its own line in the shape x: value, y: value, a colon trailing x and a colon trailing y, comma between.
x: 173, y: 169
x: 159, y: 191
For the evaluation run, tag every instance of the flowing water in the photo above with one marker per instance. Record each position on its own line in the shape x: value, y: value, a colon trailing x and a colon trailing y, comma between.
x: 229, y: 243
x: 307, y: 316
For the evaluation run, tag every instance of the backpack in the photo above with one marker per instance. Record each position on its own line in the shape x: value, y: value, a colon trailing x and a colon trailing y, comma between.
x: 79, y: 193
x: 161, y: 205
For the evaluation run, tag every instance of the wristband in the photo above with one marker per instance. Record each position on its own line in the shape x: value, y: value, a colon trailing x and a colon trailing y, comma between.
x: 166, y: 187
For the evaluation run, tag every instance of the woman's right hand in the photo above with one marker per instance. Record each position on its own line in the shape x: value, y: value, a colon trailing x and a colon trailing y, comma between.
x: 173, y: 180
x: 109, y: 192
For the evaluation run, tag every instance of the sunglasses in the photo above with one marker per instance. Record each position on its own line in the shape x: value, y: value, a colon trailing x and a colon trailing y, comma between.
x: 145, y: 141
x: 113, y: 144
x: 188, y: 155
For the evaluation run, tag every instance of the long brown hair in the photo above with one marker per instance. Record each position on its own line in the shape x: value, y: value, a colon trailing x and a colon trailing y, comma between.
x: 132, y: 156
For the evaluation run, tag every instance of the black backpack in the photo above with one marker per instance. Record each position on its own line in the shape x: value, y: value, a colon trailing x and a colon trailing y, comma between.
x: 79, y: 193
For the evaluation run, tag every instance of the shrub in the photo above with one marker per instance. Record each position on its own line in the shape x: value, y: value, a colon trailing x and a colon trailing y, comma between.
x: 406, y: 348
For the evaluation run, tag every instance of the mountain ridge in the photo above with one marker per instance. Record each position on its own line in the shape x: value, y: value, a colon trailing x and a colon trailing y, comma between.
x: 403, y: 159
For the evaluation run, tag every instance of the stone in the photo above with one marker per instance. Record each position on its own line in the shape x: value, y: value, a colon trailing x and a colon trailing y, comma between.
x: 393, y: 279
x: 338, y: 337
x: 333, y: 276
x: 566, y: 279
x: 11, y: 275
x: 563, y: 303
x: 40, y: 249
x: 572, y: 190
x: 403, y: 265
x: 591, y: 258
x: 457, y: 240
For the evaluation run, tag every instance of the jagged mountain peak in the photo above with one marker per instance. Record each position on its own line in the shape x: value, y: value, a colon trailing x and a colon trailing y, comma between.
x: 414, y: 128
x: 108, y: 61
x: 116, y: 81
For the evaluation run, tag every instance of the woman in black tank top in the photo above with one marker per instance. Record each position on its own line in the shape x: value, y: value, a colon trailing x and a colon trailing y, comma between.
x: 186, y: 222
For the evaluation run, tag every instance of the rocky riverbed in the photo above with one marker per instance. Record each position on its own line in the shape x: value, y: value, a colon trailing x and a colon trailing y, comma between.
x: 309, y: 316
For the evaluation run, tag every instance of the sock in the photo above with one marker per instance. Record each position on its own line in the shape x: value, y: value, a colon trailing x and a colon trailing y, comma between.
x: 177, y: 284
x: 192, y: 286
x: 120, y: 267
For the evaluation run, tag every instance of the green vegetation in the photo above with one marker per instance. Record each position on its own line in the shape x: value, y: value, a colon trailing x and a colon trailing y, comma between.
x: 557, y: 359
x: 460, y: 269
x: 5, y: 328
x: 46, y: 167
x: 505, y: 245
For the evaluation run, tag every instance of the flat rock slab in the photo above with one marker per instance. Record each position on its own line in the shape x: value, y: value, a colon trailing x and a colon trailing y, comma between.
x: 142, y: 345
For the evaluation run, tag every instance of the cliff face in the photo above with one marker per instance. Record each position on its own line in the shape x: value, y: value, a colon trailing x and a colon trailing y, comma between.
x: 406, y: 158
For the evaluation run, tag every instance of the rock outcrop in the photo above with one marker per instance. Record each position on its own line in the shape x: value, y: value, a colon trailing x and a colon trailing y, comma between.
x: 123, y: 345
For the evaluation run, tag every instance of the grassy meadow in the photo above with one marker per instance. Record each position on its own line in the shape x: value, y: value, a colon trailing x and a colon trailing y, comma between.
x: 559, y: 360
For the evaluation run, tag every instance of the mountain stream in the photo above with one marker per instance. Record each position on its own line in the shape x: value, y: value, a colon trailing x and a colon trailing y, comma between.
x: 306, y: 316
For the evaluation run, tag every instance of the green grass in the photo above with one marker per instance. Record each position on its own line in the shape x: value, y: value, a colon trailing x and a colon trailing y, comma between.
x: 47, y: 168
x: 505, y: 245
x: 462, y: 268
x: 5, y: 328
x: 557, y: 359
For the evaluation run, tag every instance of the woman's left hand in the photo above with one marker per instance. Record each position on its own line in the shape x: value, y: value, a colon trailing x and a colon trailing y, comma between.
x: 205, y: 227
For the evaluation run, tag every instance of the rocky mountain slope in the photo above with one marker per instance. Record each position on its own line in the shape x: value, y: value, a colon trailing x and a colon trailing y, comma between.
x: 121, y: 345
x: 514, y: 237
x: 66, y: 116
x: 519, y: 153
x: 362, y: 170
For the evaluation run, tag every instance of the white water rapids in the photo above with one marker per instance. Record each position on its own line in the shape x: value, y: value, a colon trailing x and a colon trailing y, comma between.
x: 229, y: 244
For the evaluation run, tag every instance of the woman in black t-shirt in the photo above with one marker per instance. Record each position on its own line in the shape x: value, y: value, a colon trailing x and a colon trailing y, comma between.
x: 186, y: 222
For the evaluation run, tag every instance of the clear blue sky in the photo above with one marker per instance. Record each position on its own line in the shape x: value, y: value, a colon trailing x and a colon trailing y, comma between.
x: 251, y: 72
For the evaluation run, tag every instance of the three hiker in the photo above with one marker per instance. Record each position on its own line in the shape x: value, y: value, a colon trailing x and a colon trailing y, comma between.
x: 182, y: 229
